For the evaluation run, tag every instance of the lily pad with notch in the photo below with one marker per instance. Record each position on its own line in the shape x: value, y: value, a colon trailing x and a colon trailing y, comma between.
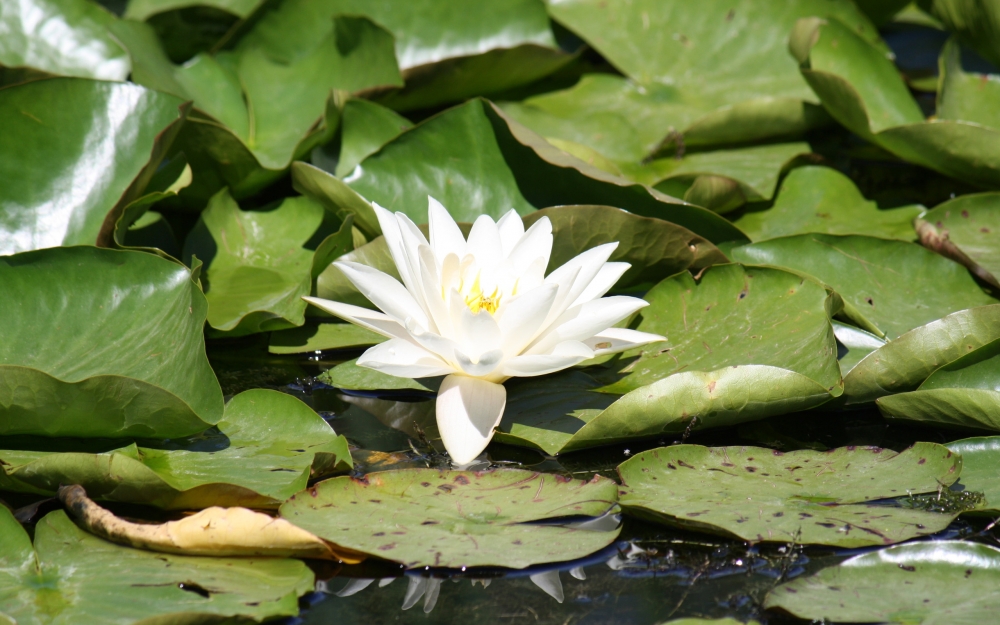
x: 425, y: 517
x: 806, y: 497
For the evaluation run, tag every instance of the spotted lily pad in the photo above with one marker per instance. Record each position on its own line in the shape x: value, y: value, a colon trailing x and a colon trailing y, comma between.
x: 426, y: 517
x: 802, y: 496
x: 946, y: 581
x: 889, y: 287
x: 266, y: 448
x: 70, y: 576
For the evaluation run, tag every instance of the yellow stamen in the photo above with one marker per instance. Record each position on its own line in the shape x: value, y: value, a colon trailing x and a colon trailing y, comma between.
x: 477, y: 301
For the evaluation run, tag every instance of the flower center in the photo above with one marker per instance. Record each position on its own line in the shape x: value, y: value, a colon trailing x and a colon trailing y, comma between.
x: 476, y: 300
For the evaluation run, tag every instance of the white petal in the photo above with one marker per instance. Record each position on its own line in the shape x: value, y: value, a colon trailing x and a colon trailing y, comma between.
x: 535, y: 244
x: 412, y: 238
x: 564, y: 355
x: 467, y: 411
x: 522, y: 318
x: 369, y: 319
x: 614, y: 340
x: 482, y: 366
x: 585, y: 266
x: 476, y: 333
x: 511, y: 230
x: 442, y: 347
x: 602, y: 282
x: 584, y: 321
x: 404, y: 359
x: 484, y: 242
x: 446, y: 237
x: 384, y: 291
x: 430, y: 286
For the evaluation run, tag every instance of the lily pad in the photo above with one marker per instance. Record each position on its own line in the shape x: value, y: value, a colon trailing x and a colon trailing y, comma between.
x: 735, y: 315
x: 133, y: 360
x: 904, y: 363
x: 980, y: 468
x: 946, y: 581
x: 977, y: 24
x: 265, y: 448
x: 426, y: 517
x: 475, y: 161
x: 447, y: 50
x: 724, y: 68
x: 61, y: 38
x: 853, y: 344
x: 823, y: 200
x: 365, y: 127
x: 258, y: 114
x: 967, y: 230
x: 565, y: 412
x: 889, y: 287
x: 862, y: 89
x: 258, y: 264
x: 321, y: 336
x: 804, y: 496
x: 348, y: 375
x: 964, y: 393
x: 66, y: 167
x: 70, y: 576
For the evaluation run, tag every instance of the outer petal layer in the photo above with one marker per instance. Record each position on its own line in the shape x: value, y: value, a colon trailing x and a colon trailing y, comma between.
x: 467, y: 411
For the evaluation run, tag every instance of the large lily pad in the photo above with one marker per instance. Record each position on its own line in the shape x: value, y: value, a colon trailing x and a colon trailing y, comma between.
x: 265, y: 449
x: 823, y: 200
x: 70, y: 151
x: 803, y: 496
x: 365, y: 127
x: 62, y: 38
x: 321, y: 336
x: 565, y: 412
x: 475, y: 161
x: 966, y: 229
x: 861, y: 88
x: 725, y: 65
x: 889, y: 287
x: 448, y: 50
x: 426, y: 517
x: 903, y: 364
x: 964, y: 393
x: 257, y: 113
x: 735, y: 315
x: 70, y: 576
x: 949, y: 581
x: 115, y: 349
x: 977, y: 24
x: 258, y: 264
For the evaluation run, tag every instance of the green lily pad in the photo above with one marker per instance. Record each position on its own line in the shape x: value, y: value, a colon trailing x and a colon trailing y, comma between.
x: 70, y: 576
x: 258, y: 264
x: 980, y: 468
x: 475, y: 161
x: 447, y: 50
x: 823, y: 200
x: 265, y: 449
x: 61, y: 38
x: 365, y: 127
x: 565, y: 412
x: 130, y: 360
x: 735, y: 315
x: 853, y: 345
x: 348, y: 375
x: 723, y: 180
x: 977, y: 24
x: 889, y: 287
x: 257, y: 114
x: 321, y: 336
x: 904, y: 363
x: 720, y: 74
x: 426, y: 517
x: 964, y: 393
x: 967, y: 230
x: 806, y: 496
x: 655, y: 248
x: 71, y: 150
x: 946, y: 581
x: 188, y: 27
x: 862, y: 89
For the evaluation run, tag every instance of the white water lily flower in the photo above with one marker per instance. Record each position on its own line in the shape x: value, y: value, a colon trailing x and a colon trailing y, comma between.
x: 482, y: 311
